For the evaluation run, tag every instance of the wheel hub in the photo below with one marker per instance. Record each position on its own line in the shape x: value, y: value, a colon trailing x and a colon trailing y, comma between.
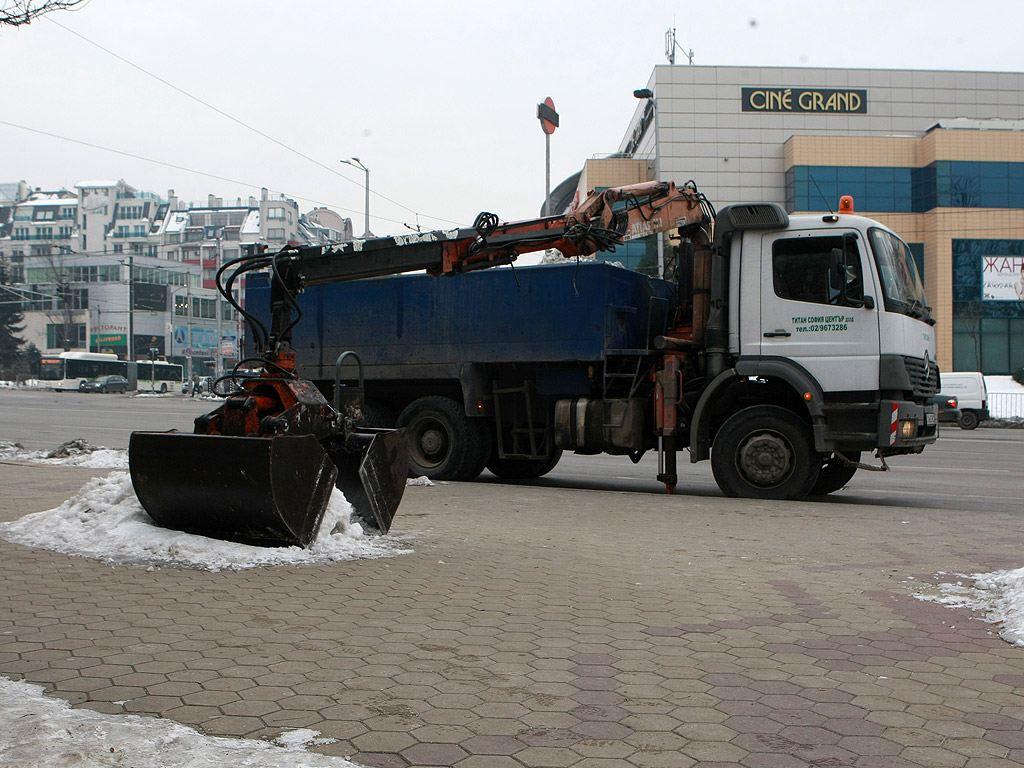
x: 432, y: 442
x: 766, y: 459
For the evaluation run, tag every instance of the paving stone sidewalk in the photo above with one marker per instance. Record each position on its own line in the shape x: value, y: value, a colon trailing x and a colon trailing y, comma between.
x: 543, y: 628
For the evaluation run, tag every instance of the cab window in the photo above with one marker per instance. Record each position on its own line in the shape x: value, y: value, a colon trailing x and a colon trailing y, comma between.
x: 819, y: 270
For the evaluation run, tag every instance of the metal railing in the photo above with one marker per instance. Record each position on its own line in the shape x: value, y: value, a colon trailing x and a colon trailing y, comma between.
x: 1005, y: 405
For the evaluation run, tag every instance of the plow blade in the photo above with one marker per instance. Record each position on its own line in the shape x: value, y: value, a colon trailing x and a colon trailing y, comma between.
x: 373, y: 477
x: 268, y: 491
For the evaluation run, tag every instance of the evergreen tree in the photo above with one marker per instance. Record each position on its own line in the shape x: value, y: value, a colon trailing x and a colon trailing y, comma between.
x: 11, y: 318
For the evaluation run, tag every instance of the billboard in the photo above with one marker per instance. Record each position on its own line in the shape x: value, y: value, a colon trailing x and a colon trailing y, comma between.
x: 1002, y: 278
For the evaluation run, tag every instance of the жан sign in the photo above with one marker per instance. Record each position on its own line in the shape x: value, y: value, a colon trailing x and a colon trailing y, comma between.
x: 805, y: 100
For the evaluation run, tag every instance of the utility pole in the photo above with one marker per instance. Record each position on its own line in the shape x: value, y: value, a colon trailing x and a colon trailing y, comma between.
x: 219, y: 369
x: 188, y: 323
x: 131, y: 307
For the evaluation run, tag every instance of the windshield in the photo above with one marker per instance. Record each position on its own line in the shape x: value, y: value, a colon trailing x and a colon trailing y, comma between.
x: 51, y: 370
x: 901, y: 284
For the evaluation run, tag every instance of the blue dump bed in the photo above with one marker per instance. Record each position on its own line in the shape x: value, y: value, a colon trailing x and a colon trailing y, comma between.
x: 411, y: 326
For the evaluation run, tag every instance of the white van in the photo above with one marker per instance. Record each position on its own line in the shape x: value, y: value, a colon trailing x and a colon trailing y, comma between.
x: 969, y: 390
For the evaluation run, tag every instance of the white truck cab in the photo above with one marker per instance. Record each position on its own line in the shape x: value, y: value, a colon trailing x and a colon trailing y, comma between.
x: 833, y: 307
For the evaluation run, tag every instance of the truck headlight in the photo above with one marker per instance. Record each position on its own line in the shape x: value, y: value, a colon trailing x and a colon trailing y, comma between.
x: 908, y: 429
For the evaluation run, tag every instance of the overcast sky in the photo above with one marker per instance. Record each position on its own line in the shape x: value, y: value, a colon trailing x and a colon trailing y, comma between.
x: 437, y: 98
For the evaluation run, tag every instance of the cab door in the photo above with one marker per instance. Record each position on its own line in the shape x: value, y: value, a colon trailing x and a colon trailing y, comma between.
x: 814, y: 307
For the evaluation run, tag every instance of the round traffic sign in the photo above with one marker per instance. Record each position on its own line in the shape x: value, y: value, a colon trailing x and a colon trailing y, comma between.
x: 548, y: 116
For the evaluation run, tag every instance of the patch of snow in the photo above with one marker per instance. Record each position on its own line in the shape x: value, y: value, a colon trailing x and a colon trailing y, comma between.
x: 74, y: 453
x: 106, y: 521
x: 998, y: 595
x: 39, y: 732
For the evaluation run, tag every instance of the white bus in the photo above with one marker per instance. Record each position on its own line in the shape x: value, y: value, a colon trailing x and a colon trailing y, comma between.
x: 69, y: 370
x: 158, y: 376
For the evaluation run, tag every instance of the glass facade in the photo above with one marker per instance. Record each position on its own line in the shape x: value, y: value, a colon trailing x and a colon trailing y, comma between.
x: 988, y: 333
x: 640, y: 255
x: 942, y: 184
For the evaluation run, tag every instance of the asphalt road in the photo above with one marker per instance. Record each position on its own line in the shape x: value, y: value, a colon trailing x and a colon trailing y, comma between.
x: 970, y: 471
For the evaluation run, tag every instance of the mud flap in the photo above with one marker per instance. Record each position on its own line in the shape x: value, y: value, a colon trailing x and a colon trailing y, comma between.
x: 372, y: 475
x: 268, y: 491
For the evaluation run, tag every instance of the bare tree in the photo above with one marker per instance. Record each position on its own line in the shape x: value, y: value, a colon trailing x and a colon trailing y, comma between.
x: 61, y: 312
x: 16, y: 13
x: 970, y: 314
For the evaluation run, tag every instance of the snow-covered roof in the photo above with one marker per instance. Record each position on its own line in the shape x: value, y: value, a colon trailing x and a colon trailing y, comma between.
x: 63, y: 197
x: 251, y: 225
x: 97, y: 184
x: 980, y: 124
x: 176, y: 222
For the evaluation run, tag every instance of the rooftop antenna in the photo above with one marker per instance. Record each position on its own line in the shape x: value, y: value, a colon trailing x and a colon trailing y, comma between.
x: 670, y: 48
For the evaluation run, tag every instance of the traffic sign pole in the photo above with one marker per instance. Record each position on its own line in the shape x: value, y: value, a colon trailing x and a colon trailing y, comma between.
x: 548, y: 122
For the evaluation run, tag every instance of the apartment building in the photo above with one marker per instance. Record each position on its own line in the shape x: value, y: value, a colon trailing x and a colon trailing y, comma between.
x: 107, y: 267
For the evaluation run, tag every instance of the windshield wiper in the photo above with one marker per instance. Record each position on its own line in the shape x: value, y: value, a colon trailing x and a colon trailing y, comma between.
x: 921, y: 312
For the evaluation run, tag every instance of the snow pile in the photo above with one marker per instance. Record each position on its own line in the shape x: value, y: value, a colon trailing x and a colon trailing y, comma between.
x: 74, y: 453
x: 39, y: 731
x: 998, y: 595
x: 106, y: 521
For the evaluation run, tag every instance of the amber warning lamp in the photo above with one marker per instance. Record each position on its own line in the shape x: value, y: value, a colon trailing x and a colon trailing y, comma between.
x: 846, y: 204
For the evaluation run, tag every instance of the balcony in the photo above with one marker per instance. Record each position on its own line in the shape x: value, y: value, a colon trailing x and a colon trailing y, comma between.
x: 42, y: 237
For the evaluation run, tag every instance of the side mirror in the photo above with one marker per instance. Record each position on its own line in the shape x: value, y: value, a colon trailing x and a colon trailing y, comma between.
x: 846, y: 281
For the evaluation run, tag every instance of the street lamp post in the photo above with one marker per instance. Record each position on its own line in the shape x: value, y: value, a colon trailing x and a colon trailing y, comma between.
x: 355, y: 162
x: 647, y: 95
x: 188, y: 323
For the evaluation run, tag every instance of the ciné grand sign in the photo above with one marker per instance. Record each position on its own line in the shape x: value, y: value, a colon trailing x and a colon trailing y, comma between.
x: 842, y: 101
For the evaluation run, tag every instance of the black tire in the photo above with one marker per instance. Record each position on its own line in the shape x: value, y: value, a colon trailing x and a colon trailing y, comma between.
x: 968, y: 420
x: 765, y: 452
x: 834, y: 474
x: 523, y: 469
x: 81, y: 386
x: 163, y: 388
x: 481, y: 449
x: 105, y: 390
x: 444, y: 443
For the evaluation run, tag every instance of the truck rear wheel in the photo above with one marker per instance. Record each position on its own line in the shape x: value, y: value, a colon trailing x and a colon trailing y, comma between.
x: 444, y: 443
x: 765, y: 452
x: 835, y: 473
x: 968, y: 420
x: 523, y: 469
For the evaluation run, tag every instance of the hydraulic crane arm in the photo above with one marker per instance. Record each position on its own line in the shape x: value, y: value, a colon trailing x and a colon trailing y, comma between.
x: 601, y: 222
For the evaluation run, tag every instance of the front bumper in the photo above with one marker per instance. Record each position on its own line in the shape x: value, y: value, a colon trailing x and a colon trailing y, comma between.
x: 906, y: 427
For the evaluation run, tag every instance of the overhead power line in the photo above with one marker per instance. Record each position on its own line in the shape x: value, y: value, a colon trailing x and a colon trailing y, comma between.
x: 242, y: 123
x: 178, y: 167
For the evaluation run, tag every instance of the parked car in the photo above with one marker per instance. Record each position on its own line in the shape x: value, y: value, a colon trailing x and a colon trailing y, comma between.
x: 113, y: 383
x: 971, y: 394
x: 949, y: 409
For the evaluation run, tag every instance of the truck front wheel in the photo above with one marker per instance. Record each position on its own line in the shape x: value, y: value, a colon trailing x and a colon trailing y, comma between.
x: 765, y: 452
x: 444, y: 443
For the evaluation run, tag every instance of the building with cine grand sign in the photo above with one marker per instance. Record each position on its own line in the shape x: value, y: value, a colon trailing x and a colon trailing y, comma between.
x: 938, y: 156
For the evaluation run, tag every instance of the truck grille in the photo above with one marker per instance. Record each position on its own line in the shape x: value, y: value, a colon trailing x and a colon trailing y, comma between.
x: 924, y: 376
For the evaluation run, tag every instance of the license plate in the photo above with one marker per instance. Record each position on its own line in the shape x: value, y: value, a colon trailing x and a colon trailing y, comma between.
x: 929, y: 419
